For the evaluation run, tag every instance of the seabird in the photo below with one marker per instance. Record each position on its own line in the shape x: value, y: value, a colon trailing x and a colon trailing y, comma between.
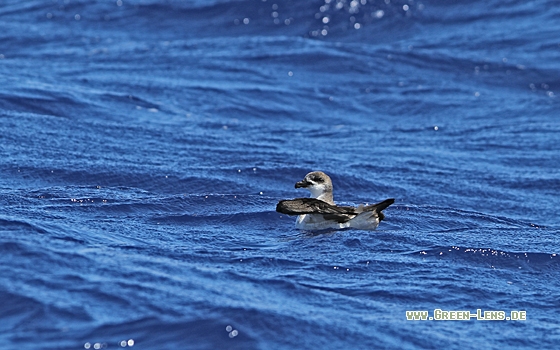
x: 320, y: 212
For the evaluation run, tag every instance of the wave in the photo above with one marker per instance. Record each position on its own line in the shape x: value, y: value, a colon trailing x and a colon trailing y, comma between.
x: 493, y: 258
x: 209, y: 332
x: 19, y: 225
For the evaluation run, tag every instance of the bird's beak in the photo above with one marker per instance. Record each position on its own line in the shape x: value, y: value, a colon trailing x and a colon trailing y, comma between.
x: 302, y: 183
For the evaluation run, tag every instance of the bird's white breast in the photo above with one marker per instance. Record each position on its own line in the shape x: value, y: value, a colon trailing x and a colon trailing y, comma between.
x: 364, y: 221
x: 317, y: 222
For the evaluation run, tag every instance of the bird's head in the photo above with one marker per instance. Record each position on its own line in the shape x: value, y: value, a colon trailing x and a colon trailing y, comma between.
x: 319, y: 184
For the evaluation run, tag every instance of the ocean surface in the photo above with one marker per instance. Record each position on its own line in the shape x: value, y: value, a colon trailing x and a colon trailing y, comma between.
x: 144, y: 145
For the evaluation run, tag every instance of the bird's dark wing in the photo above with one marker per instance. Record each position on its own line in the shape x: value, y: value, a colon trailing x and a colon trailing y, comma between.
x: 299, y: 206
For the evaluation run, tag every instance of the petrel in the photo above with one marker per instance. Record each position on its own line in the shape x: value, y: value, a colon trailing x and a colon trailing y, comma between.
x: 320, y: 212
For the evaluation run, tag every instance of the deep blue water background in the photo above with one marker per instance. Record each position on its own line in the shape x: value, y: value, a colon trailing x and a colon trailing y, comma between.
x: 144, y: 145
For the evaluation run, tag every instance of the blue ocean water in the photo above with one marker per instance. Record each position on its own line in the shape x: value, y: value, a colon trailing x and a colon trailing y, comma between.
x: 144, y: 145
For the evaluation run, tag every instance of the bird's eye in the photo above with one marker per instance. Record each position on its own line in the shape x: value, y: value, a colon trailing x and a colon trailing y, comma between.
x: 317, y: 179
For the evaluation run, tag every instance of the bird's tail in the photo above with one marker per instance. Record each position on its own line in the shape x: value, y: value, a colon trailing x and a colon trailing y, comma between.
x: 378, y: 207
